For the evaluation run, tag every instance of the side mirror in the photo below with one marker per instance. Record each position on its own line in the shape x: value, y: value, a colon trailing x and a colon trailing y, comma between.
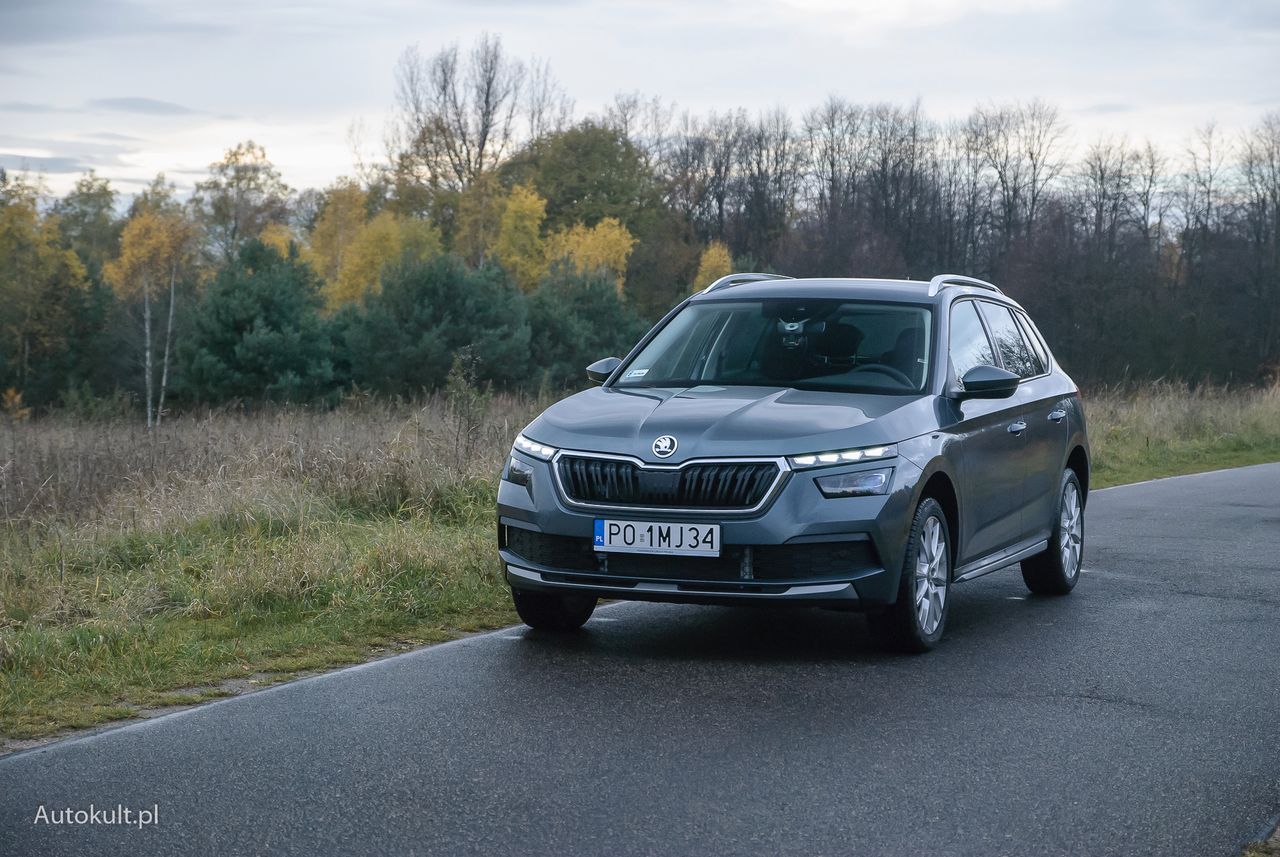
x: 988, y: 382
x: 600, y: 371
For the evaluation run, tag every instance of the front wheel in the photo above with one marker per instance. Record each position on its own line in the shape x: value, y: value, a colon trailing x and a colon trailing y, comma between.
x: 915, y: 621
x: 553, y: 611
x: 1056, y: 570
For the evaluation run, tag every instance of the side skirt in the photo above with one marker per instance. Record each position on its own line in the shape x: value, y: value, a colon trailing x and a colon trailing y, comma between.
x: 1000, y: 559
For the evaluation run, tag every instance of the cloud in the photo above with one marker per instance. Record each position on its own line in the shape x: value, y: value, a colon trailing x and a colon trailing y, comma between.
x: 146, y: 106
x: 112, y: 135
x: 1107, y: 108
x: 39, y: 164
x: 1254, y: 15
x: 32, y: 107
x: 129, y: 104
x: 63, y: 21
x: 52, y: 154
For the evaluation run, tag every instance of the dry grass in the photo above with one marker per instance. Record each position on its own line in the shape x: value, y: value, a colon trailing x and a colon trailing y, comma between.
x: 1166, y: 429
x: 134, y: 565
x: 372, y: 455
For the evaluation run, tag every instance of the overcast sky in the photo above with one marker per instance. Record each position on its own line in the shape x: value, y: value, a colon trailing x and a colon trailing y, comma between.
x: 133, y: 88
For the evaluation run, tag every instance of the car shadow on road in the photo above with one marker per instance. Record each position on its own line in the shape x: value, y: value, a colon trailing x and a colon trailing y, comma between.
x: 980, y: 614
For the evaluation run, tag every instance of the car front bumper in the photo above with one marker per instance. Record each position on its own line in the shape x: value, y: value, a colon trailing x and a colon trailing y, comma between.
x: 800, y: 549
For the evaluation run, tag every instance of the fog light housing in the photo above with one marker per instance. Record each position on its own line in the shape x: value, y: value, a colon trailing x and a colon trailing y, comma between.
x: 864, y: 483
x: 519, y: 473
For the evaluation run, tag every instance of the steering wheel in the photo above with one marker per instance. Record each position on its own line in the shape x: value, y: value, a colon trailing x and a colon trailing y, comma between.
x: 895, y: 374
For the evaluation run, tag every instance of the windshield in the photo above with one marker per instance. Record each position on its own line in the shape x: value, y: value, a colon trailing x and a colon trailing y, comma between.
x: 847, y: 346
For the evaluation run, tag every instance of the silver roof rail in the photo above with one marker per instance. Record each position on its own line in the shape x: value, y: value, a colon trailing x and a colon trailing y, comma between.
x: 739, y: 279
x: 936, y: 284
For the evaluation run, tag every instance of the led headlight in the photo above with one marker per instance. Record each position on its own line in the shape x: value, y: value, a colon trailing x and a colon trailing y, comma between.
x: 843, y: 456
x: 532, y: 447
x: 863, y: 483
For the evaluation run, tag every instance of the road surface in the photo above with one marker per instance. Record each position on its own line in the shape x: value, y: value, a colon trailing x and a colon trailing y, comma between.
x: 1140, y: 715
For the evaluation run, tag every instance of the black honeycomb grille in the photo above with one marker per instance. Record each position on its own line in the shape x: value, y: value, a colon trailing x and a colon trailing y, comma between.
x: 731, y: 485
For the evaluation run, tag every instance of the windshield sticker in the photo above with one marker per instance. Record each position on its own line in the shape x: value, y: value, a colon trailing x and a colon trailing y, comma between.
x: 637, y: 373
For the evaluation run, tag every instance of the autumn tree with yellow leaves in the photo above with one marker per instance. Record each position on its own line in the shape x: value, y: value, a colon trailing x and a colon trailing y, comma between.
x: 480, y: 211
x: 38, y: 277
x: 714, y: 264
x: 600, y: 248
x: 520, y: 247
x: 350, y: 251
x: 345, y: 213
x: 155, y: 248
x: 385, y: 240
x: 244, y: 193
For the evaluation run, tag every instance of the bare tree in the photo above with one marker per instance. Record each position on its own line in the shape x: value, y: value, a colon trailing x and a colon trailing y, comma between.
x: 837, y: 154
x: 547, y: 107
x: 456, y: 119
x: 965, y: 196
x: 1150, y: 196
x: 1040, y: 133
x: 646, y: 122
x: 1021, y: 144
x: 725, y: 136
x: 771, y: 162
x: 1105, y: 182
x: 687, y: 168
x: 700, y: 167
x: 1260, y: 177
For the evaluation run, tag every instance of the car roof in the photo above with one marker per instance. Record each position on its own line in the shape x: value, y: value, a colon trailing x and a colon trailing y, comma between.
x: 849, y: 288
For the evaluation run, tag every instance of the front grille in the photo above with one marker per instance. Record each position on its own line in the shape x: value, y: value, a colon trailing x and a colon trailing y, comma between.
x: 729, y: 485
x: 809, y: 561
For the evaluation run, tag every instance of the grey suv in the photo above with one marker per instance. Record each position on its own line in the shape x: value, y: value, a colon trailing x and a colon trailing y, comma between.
x: 845, y: 443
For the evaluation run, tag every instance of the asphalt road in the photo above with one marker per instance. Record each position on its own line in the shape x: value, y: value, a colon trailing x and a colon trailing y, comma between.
x: 1140, y: 715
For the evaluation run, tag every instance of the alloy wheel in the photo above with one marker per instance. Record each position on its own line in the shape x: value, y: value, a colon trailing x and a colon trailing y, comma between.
x: 932, y: 570
x: 1071, y: 531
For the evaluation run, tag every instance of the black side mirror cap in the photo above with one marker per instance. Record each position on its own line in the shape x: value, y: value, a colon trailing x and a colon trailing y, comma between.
x: 988, y: 382
x: 600, y: 371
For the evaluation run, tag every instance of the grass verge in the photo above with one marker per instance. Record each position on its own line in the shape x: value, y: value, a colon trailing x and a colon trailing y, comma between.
x: 163, y: 617
x: 1171, y: 430
x: 1270, y: 848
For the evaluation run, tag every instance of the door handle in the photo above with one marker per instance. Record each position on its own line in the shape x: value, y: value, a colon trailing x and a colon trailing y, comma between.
x: 1017, y: 428
x: 1057, y: 415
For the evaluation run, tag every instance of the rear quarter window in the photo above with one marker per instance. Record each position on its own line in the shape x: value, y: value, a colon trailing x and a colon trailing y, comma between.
x: 1015, y: 353
x: 1035, y: 340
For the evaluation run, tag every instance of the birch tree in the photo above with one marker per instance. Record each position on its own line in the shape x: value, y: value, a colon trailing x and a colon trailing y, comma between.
x: 154, y: 250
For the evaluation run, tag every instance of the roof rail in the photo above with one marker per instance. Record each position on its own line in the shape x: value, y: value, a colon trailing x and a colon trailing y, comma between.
x: 936, y: 284
x: 739, y: 279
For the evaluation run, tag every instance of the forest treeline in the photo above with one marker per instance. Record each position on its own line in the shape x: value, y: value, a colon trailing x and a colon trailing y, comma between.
x: 499, y: 227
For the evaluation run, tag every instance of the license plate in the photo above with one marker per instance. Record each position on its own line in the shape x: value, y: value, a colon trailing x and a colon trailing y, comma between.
x: 660, y: 538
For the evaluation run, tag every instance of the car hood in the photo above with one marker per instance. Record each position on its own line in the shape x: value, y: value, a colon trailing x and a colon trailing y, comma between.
x: 710, y: 421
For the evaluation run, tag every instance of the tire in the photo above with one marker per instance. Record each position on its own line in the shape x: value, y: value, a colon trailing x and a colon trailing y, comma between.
x: 915, y: 622
x: 553, y: 611
x: 1057, y: 569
